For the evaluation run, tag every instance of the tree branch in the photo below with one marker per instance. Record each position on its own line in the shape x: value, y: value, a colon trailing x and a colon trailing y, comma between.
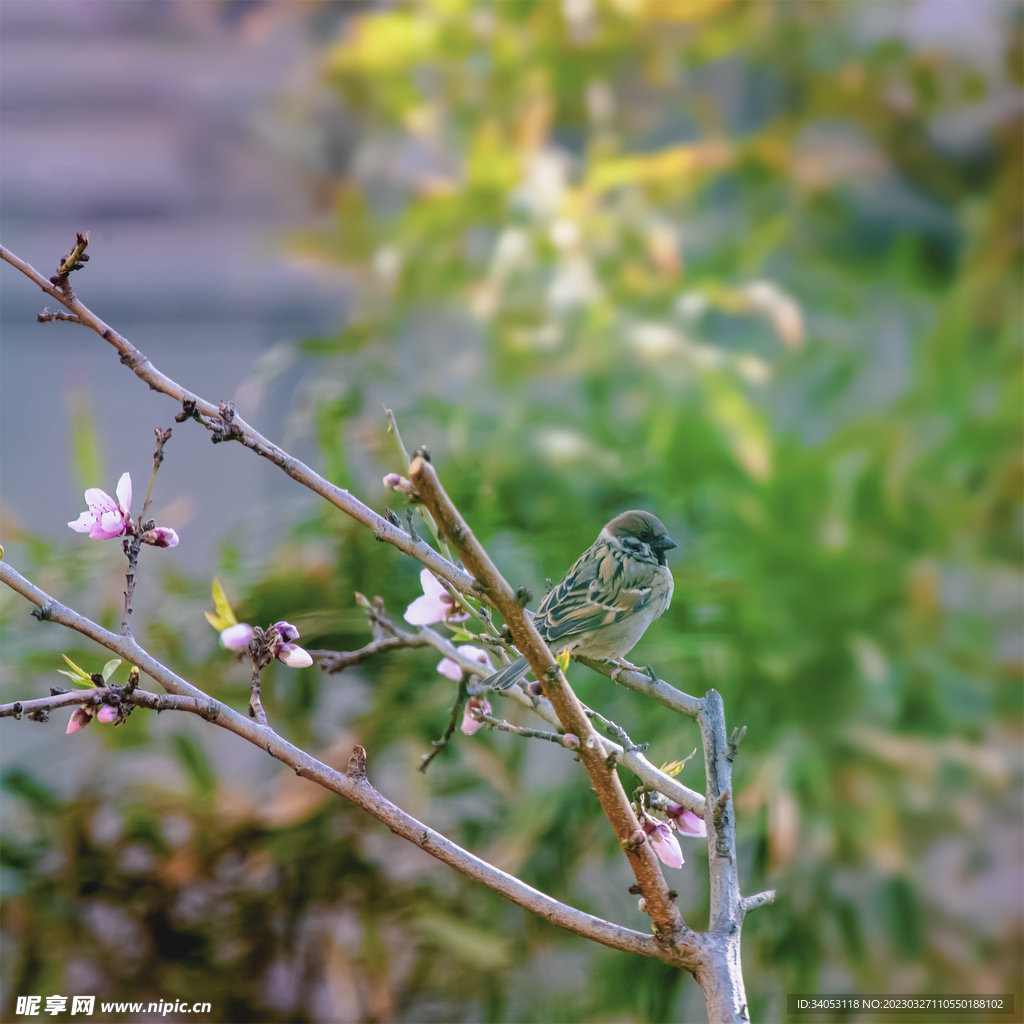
x: 616, y: 805
x: 231, y: 426
x: 207, y: 708
x: 637, y: 679
x: 352, y: 785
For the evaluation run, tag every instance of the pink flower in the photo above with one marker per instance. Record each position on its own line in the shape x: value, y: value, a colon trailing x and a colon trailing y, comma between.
x: 282, y: 649
x: 237, y: 637
x: 470, y: 723
x: 688, y: 824
x: 107, y: 713
x: 666, y: 846
x: 436, y: 604
x: 452, y: 670
x: 105, y: 517
x: 161, y: 537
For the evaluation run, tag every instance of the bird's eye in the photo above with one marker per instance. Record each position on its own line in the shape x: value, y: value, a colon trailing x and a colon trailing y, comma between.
x: 645, y: 536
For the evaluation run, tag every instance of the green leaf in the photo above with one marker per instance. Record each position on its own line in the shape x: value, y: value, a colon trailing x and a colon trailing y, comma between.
x: 225, y: 617
x: 79, y: 676
x: 108, y: 669
x: 673, y: 768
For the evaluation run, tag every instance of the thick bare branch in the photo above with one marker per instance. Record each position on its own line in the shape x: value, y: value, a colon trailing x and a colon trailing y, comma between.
x: 593, y: 753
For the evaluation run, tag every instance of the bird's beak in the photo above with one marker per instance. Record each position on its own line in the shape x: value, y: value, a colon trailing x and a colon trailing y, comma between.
x: 664, y: 544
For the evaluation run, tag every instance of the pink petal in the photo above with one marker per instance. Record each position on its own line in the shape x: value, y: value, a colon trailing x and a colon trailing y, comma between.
x: 667, y: 848
x: 79, y: 720
x: 425, y: 611
x: 293, y: 655
x: 469, y: 724
x: 124, y: 492
x: 109, y: 524
x: 690, y: 825
x: 392, y: 480
x: 448, y: 668
x: 474, y: 654
x: 107, y: 713
x: 84, y: 523
x: 430, y: 585
x: 234, y: 638
x: 99, y: 501
x: 286, y: 631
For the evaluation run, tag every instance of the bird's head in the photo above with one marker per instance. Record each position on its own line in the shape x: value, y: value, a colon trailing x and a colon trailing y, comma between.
x: 637, y: 529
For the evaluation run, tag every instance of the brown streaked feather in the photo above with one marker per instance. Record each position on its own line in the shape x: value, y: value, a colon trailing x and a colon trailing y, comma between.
x: 604, y: 585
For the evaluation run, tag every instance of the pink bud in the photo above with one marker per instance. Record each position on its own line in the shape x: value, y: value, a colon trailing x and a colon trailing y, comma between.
x: 286, y: 631
x: 107, y: 713
x: 292, y: 655
x: 638, y: 837
x: 470, y: 723
x: 570, y: 741
x: 161, y: 537
x: 79, y: 720
x: 237, y: 637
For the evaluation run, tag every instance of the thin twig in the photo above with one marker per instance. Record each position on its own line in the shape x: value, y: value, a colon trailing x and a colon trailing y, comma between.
x: 255, y: 704
x: 162, y: 437
x: 449, y: 731
x: 566, y: 739
x: 46, y: 317
x: 206, y: 707
x: 337, y: 661
x: 637, y: 679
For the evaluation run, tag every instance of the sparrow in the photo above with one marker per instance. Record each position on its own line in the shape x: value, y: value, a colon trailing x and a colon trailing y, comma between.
x: 606, y: 601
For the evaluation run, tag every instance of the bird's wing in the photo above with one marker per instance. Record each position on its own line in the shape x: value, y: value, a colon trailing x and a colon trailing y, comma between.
x: 604, y: 585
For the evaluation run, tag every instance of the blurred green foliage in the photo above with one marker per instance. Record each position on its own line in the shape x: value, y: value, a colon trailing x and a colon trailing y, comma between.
x: 755, y: 267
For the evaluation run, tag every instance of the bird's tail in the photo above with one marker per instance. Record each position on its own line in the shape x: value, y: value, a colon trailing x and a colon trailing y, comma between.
x: 508, y: 676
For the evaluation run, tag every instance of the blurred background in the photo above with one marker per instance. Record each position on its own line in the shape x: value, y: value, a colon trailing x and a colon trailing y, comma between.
x: 755, y: 267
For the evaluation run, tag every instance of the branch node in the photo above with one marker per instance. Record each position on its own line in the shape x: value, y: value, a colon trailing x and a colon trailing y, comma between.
x: 188, y: 409
x: 357, y: 764
x: 734, y: 743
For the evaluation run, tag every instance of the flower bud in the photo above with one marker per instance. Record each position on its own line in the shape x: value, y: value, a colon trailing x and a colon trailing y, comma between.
x: 286, y: 631
x: 293, y: 655
x: 161, y: 537
x: 397, y: 482
x: 237, y: 637
x: 79, y: 720
x: 107, y: 713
